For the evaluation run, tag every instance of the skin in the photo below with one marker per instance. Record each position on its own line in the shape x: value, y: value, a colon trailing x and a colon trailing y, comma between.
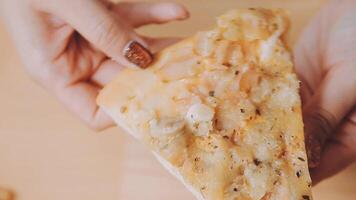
x: 325, y: 59
x: 74, y: 47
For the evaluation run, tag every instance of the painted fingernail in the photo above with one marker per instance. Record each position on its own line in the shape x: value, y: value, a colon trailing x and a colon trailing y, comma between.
x: 313, y: 148
x: 138, y: 54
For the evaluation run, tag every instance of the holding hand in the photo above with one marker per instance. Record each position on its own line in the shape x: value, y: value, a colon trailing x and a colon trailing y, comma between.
x: 74, y: 47
x: 325, y: 60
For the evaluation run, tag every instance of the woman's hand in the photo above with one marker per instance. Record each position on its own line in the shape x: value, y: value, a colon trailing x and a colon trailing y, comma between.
x: 325, y: 60
x: 74, y: 47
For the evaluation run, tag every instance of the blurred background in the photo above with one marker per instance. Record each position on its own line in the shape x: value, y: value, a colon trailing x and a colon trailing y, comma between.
x: 47, y: 154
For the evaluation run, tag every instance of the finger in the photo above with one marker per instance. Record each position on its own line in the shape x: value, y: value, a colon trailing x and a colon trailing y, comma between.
x: 106, y: 72
x: 339, y: 152
x: 335, y: 158
x: 157, y: 44
x: 108, y: 69
x: 333, y: 99
x: 142, y: 13
x: 80, y: 98
x: 102, y: 29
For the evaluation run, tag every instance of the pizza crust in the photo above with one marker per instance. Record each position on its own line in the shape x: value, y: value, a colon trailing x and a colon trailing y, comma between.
x: 171, y: 169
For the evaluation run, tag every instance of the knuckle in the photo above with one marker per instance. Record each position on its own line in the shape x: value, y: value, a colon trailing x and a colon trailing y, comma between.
x: 96, y: 123
x: 107, y: 33
x: 319, y: 126
x: 95, y: 126
x: 320, y: 122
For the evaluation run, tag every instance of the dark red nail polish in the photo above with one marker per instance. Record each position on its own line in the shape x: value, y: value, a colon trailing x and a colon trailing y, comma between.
x: 138, y: 54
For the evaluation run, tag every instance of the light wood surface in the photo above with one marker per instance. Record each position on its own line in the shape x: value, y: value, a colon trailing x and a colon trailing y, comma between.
x: 47, y: 154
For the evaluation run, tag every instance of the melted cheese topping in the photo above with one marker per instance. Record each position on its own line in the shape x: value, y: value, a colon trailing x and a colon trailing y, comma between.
x: 223, y: 109
x: 200, y: 119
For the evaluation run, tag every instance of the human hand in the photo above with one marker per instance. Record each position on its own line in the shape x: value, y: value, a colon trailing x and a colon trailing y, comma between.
x: 325, y: 59
x: 74, y: 47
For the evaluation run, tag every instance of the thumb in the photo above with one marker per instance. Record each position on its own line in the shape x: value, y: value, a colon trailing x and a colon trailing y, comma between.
x: 332, y: 101
x: 339, y: 151
x: 116, y: 38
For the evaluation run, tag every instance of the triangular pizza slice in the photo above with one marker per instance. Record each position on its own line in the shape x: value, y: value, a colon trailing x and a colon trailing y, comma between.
x: 221, y: 110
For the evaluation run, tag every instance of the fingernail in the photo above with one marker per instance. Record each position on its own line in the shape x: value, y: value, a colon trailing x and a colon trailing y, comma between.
x: 313, y: 148
x: 138, y: 54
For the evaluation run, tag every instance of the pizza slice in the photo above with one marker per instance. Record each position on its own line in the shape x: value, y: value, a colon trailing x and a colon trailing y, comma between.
x: 221, y: 110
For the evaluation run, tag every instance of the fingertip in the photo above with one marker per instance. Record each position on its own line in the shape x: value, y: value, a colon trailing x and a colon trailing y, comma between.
x: 100, y: 121
x: 137, y: 54
x: 171, y: 11
x: 185, y: 15
x: 182, y: 12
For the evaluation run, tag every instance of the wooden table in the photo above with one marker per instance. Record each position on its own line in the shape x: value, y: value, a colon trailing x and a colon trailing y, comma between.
x: 47, y: 154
